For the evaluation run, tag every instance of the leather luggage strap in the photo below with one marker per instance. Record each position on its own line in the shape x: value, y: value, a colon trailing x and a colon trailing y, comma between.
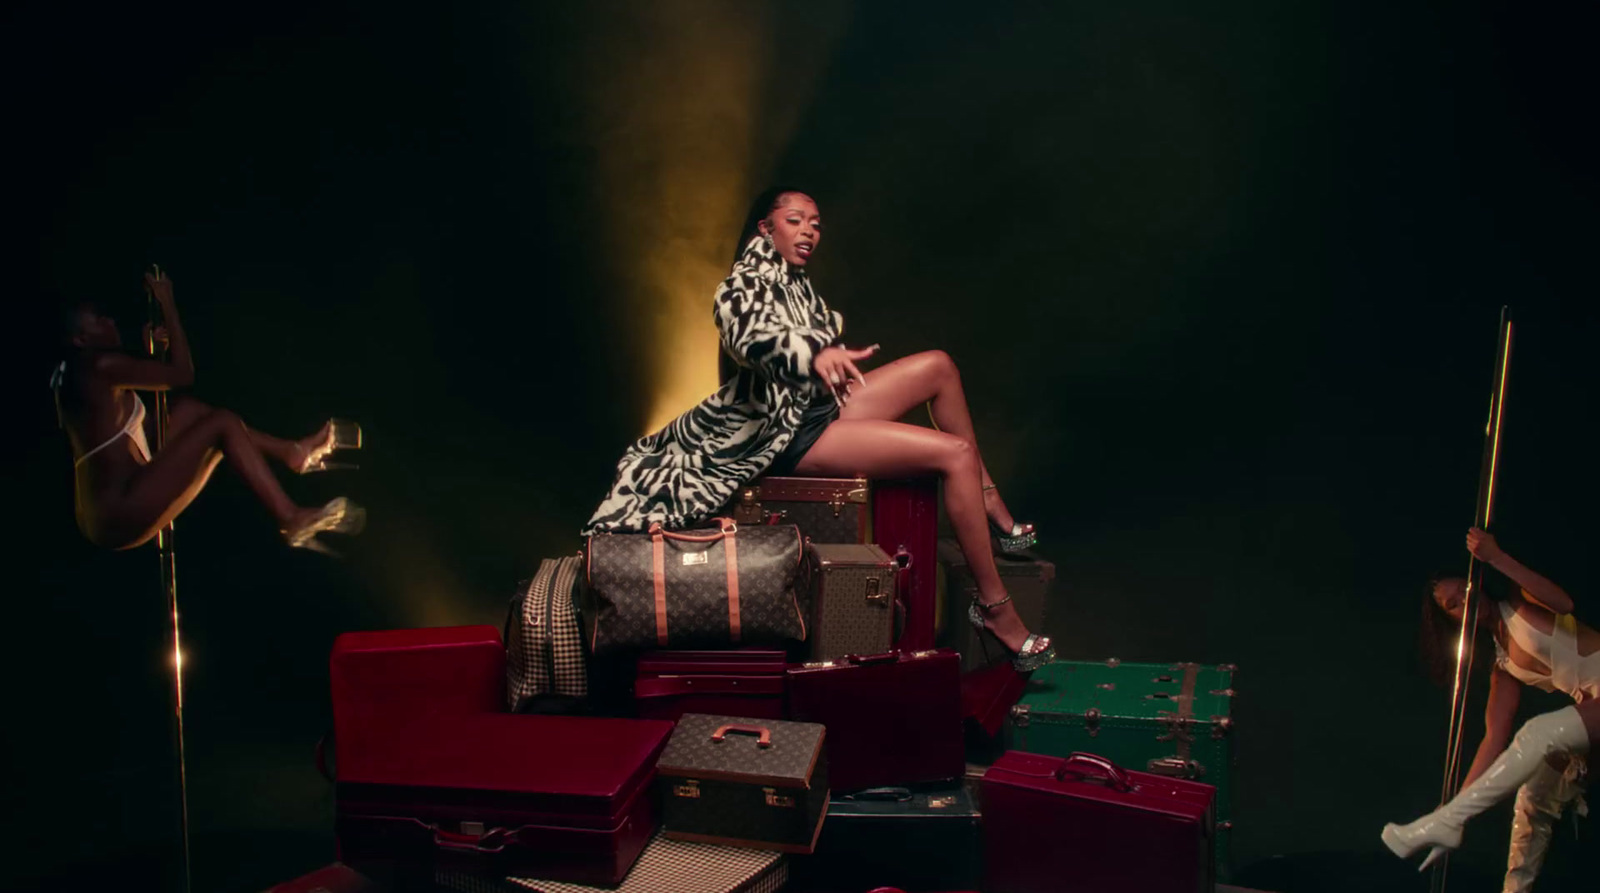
x: 1186, y: 708
x: 658, y: 561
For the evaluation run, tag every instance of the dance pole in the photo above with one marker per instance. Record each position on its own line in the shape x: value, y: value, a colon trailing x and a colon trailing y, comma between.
x: 1466, y: 644
x: 169, y: 585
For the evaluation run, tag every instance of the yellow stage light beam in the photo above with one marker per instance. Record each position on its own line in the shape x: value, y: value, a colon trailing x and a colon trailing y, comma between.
x: 688, y: 106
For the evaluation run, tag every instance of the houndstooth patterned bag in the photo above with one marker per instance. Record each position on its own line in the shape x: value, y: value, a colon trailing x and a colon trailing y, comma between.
x: 544, y: 651
x: 665, y: 866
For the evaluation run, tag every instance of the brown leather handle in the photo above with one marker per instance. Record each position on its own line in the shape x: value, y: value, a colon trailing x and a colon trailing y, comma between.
x: 728, y: 525
x: 1108, y: 770
x: 765, y: 739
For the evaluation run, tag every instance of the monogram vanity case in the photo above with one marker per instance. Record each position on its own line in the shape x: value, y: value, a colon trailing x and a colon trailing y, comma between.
x: 852, y: 595
x: 738, y: 682
x: 1081, y: 823
x: 560, y: 797
x: 1168, y: 719
x: 1027, y: 580
x: 892, y: 719
x: 744, y: 781
x: 916, y: 839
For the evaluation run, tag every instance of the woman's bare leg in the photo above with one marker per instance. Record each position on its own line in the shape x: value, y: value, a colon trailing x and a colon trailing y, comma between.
x: 185, y: 411
x: 929, y: 377
x: 876, y: 448
x: 162, y: 489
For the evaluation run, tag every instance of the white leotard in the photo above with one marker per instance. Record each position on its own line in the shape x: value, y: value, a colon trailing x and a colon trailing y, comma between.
x: 1557, y: 649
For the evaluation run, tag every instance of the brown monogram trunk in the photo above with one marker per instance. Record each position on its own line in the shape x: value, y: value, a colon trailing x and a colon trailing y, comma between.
x: 827, y: 510
x: 715, y: 588
x: 1027, y: 581
x: 852, y: 593
x: 744, y: 781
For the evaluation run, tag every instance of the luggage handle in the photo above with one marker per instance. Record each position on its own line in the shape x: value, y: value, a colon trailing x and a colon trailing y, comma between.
x: 476, y: 843
x: 1109, y: 771
x: 764, y: 734
x: 885, y: 657
x: 728, y: 528
x: 896, y: 795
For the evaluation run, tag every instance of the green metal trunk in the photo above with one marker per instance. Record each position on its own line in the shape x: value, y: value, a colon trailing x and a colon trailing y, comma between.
x: 1172, y: 719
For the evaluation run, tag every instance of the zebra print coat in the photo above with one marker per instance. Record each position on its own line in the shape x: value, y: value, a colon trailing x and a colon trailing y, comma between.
x: 772, y: 322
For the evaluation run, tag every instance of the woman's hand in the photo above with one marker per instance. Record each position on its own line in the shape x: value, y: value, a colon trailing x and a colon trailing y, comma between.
x: 159, y: 288
x: 836, y: 366
x: 156, y: 335
x: 1482, y: 546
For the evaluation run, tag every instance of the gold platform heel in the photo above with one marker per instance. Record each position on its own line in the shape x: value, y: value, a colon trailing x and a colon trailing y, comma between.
x: 343, y: 434
x: 338, y: 516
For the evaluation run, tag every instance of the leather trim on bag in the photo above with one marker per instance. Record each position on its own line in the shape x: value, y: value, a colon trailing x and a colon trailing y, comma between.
x: 658, y: 569
x: 733, y: 585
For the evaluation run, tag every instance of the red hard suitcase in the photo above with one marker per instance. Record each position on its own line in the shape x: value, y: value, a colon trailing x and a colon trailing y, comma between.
x: 1081, y: 823
x: 560, y: 797
x: 409, y: 675
x: 905, y: 521
x: 744, y: 682
x: 892, y: 719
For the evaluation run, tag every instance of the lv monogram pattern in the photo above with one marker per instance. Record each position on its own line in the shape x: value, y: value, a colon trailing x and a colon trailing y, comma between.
x: 691, y: 751
x: 844, y: 621
x: 622, y: 590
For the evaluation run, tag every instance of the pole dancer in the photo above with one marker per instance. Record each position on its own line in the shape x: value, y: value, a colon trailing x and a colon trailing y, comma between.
x: 156, y: 346
x: 1537, y: 642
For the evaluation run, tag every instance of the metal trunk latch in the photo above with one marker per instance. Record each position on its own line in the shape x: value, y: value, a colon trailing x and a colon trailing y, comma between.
x: 875, y: 593
x: 1091, y: 721
x: 1176, y: 767
x: 1019, y: 716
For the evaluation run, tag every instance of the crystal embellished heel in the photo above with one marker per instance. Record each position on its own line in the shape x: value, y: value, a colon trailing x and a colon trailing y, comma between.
x: 1016, y: 541
x: 343, y: 434
x: 338, y: 516
x: 1036, y: 650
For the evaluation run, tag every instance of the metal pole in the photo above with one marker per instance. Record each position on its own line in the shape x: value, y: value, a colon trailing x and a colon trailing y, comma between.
x: 1466, y: 644
x: 169, y: 586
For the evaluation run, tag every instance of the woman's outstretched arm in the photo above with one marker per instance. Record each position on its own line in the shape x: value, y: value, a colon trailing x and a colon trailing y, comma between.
x: 1537, y: 587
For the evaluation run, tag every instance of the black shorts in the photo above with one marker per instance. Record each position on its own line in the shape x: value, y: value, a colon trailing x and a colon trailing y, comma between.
x: 817, y: 417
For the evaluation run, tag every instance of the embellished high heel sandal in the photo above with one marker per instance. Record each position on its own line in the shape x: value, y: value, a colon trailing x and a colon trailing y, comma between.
x: 342, y: 435
x: 338, y: 516
x: 1036, y: 650
x: 1016, y: 541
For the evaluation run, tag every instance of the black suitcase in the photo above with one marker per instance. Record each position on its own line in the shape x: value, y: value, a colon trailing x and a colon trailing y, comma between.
x: 921, y: 838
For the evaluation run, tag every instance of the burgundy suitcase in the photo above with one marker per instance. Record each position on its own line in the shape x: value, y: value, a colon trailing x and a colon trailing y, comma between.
x: 1081, y: 823
x: 905, y: 524
x: 745, y: 682
x: 560, y: 797
x: 892, y: 719
x: 407, y: 675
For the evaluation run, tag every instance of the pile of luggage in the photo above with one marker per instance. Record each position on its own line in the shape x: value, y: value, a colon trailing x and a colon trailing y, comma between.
x: 762, y: 705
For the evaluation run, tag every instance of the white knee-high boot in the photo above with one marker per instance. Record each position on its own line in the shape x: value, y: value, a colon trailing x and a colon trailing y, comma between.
x: 1556, y: 732
x: 1540, y: 802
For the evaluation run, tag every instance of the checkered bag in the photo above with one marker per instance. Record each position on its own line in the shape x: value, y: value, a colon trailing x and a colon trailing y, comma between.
x: 665, y: 866
x: 544, y: 651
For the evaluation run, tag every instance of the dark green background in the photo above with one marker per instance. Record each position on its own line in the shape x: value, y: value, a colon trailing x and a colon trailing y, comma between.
x: 1222, y: 280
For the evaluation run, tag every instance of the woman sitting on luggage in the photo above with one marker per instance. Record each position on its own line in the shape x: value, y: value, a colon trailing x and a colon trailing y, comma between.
x: 125, y: 492
x: 1539, y: 643
x: 798, y: 404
